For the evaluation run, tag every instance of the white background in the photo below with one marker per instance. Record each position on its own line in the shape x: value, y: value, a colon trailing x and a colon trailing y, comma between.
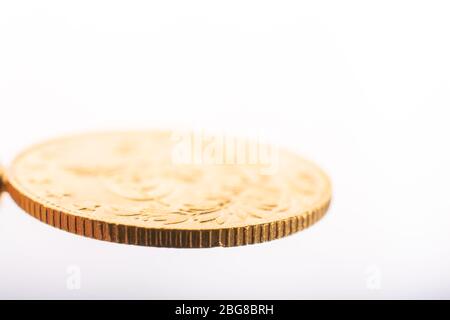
x: 361, y: 87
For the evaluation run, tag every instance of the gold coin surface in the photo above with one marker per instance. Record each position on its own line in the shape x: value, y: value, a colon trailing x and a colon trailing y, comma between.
x: 168, y: 190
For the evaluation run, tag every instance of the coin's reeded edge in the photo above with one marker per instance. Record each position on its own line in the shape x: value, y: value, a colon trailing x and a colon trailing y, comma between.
x: 169, y: 238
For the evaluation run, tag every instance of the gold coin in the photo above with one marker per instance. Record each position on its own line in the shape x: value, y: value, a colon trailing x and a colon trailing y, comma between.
x: 168, y: 190
x: 2, y: 179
